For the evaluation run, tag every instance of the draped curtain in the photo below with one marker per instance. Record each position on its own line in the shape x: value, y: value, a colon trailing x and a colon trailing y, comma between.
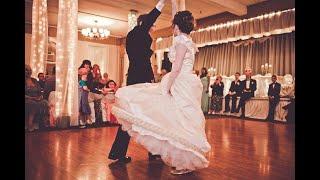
x: 106, y: 56
x: 66, y: 96
x: 228, y: 58
x: 264, y: 25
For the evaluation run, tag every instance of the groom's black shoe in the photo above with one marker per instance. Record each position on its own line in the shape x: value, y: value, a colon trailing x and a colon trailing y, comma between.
x: 112, y: 156
x: 125, y: 159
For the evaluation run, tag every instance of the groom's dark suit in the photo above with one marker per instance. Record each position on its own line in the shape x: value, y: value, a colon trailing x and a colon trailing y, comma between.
x: 138, y: 44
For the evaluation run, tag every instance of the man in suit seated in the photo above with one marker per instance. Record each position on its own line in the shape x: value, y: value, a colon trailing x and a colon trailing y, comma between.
x: 234, y: 92
x: 248, y: 87
x: 274, y: 97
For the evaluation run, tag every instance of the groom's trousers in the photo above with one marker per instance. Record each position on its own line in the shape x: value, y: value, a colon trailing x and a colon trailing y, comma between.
x: 120, y: 145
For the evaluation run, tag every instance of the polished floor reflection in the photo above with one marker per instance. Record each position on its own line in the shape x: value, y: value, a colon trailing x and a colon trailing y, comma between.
x: 241, y: 150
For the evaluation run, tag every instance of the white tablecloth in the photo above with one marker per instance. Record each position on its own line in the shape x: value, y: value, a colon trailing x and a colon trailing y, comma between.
x: 258, y: 108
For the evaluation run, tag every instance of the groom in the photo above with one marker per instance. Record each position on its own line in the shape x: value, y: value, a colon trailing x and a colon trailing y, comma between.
x: 138, y: 44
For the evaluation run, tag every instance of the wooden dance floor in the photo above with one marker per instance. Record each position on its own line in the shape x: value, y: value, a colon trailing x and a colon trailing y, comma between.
x: 242, y: 149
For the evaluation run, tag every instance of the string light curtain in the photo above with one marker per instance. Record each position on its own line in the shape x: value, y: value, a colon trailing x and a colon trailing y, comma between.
x: 39, y: 40
x: 66, y: 70
x: 265, y: 25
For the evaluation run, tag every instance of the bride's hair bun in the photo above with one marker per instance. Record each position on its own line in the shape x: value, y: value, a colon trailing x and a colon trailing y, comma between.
x: 184, y: 20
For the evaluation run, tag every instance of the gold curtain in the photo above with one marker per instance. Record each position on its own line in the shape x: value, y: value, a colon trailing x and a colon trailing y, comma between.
x: 228, y: 58
x: 265, y: 25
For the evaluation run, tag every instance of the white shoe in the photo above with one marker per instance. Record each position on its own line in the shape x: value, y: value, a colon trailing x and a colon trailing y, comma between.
x: 180, y: 172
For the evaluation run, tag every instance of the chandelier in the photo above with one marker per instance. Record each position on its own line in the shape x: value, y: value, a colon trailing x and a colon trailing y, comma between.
x: 95, y: 32
x: 132, y: 19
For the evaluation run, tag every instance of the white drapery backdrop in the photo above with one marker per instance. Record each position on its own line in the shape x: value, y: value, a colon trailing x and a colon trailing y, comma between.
x: 66, y: 95
x: 105, y: 55
x: 39, y: 40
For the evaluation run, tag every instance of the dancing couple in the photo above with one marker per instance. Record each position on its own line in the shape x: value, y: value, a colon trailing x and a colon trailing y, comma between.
x: 166, y: 117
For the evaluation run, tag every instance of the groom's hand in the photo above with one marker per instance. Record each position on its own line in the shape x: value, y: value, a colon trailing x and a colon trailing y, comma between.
x: 160, y: 4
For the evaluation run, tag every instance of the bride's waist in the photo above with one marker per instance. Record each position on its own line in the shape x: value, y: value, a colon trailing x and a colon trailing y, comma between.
x: 186, y: 70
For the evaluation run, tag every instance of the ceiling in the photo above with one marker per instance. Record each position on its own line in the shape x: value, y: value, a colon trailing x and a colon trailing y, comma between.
x: 114, y: 13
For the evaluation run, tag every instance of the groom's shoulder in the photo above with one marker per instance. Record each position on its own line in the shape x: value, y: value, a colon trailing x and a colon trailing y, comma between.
x: 135, y: 31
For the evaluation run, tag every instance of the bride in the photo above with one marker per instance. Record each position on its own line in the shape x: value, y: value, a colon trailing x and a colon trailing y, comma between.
x: 166, y: 117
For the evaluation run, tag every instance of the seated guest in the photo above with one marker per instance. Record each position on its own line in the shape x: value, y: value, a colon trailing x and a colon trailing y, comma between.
x: 274, y: 97
x: 41, y: 80
x: 248, y: 87
x: 217, y: 95
x: 35, y: 105
x: 234, y: 92
x: 50, y: 84
x: 109, y: 99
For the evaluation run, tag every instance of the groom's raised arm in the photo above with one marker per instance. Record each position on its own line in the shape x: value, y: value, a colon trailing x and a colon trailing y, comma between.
x: 174, y: 7
x: 153, y: 15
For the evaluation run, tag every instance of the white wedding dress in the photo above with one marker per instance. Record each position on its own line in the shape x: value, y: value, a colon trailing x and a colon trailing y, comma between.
x: 171, y: 126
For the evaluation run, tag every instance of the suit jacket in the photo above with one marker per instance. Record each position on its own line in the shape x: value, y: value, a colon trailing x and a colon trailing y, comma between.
x: 252, y: 87
x: 274, y: 91
x: 236, y: 87
x: 138, y: 44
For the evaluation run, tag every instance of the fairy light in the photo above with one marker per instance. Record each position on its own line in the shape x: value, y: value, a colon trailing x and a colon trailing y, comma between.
x: 232, y: 23
x: 66, y: 47
x: 39, y: 37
